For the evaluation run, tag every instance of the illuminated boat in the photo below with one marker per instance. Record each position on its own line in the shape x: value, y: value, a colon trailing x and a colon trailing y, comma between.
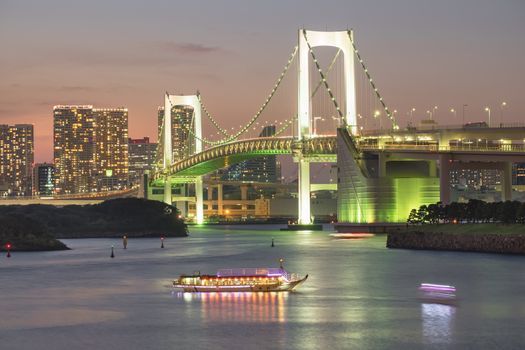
x: 352, y: 235
x: 437, y: 293
x: 241, y: 280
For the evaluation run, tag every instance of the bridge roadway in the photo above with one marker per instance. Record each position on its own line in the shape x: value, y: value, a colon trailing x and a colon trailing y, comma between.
x: 324, y: 149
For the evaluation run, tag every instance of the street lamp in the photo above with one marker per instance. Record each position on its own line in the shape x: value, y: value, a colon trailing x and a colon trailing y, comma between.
x: 487, y: 109
x: 464, y: 106
x: 454, y: 112
x: 501, y: 106
x: 315, y: 123
x: 376, y: 115
x: 434, y: 109
x: 429, y: 113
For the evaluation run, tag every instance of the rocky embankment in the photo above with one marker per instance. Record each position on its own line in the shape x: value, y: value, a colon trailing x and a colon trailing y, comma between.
x: 483, y: 243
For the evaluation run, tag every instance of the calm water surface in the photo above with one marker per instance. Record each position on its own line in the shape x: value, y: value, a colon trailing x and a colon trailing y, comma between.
x: 359, y: 295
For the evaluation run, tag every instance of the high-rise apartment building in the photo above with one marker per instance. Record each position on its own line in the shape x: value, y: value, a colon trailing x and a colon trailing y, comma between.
x: 16, y: 159
x: 90, y: 148
x: 181, y: 123
x: 43, y: 179
x: 74, y: 138
x: 262, y: 169
x: 111, y: 148
x: 141, y: 158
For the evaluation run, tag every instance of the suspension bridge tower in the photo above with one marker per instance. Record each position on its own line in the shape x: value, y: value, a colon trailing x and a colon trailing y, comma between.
x: 309, y: 39
x: 169, y: 102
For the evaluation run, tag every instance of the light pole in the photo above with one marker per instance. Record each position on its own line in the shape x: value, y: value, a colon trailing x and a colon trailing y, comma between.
x: 412, y: 110
x: 376, y: 115
x: 487, y: 109
x: 464, y: 107
x: 501, y: 106
x: 429, y: 112
x: 434, y: 109
x: 454, y: 112
x: 315, y: 124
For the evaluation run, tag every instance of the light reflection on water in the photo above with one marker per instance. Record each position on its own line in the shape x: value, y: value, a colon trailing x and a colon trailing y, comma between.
x: 255, y: 307
x: 437, y: 322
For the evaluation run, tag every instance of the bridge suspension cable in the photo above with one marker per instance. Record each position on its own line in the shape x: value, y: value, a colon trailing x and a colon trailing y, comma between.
x: 246, y: 127
x: 374, y: 87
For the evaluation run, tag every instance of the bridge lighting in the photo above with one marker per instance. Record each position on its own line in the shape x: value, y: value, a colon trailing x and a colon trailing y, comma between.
x: 377, y: 114
x: 503, y: 104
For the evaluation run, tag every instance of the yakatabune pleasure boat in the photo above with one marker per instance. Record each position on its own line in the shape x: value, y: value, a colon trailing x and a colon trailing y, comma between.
x: 241, y: 280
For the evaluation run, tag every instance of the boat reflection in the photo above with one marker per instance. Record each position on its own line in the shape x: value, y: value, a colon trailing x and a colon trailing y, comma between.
x: 239, y: 306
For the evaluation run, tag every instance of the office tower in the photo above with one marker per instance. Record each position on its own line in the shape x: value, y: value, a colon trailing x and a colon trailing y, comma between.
x: 181, y: 123
x: 110, y: 148
x: 74, y: 148
x: 261, y: 169
x: 16, y: 159
x: 43, y: 180
x: 141, y: 158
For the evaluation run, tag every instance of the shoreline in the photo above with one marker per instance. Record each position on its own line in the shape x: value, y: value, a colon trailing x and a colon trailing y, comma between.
x: 495, y: 243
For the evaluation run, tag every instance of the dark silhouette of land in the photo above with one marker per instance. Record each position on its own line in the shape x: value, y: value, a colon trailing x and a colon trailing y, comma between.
x: 36, y: 227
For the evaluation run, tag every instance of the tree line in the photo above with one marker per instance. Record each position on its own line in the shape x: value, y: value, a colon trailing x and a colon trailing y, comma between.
x: 474, y: 211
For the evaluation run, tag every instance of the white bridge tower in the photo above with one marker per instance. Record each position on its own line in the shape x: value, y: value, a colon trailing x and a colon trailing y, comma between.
x: 310, y: 39
x: 169, y: 102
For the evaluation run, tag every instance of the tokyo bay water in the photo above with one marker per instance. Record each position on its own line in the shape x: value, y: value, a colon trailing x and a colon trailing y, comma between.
x: 359, y: 295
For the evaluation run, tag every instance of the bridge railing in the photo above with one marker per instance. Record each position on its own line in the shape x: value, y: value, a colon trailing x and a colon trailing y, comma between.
x: 437, y: 148
x: 431, y: 128
x: 87, y: 195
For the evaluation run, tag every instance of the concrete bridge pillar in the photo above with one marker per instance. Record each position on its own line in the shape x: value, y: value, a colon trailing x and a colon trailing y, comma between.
x: 304, y: 192
x: 381, y: 166
x: 506, y: 182
x: 167, y: 190
x: 220, y: 199
x: 244, y: 196
x: 444, y: 178
x: 432, y: 168
x: 199, y: 203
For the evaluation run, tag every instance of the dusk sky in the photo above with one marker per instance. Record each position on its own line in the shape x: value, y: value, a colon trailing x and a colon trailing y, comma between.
x: 128, y: 53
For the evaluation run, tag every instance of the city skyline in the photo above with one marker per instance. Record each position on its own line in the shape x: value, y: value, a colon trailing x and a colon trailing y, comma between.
x: 467, y: 53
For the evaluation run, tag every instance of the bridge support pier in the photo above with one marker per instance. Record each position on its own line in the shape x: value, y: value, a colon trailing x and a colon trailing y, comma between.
x: 167, y: 190
x: 444, y: 178
x: 304, y: 192
x: 199, y: 203
x: 506, y: 182
x: 220, y: 204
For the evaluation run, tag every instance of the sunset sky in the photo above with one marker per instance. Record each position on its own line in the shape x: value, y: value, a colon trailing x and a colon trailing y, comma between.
x: 128, y: 53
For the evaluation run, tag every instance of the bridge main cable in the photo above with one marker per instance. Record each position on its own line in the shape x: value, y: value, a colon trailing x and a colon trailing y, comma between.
x: 259, y: 112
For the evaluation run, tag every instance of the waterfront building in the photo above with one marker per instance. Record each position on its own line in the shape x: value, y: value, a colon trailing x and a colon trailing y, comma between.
x: 519, y: 174
x: 141, y: 158
x: 475, y: 178
x: 181, y: 123
x: 16, y: 159
x: 90, y: 148
x: 43, y: 179
x: 261, y: 169
x: 111, y: 148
